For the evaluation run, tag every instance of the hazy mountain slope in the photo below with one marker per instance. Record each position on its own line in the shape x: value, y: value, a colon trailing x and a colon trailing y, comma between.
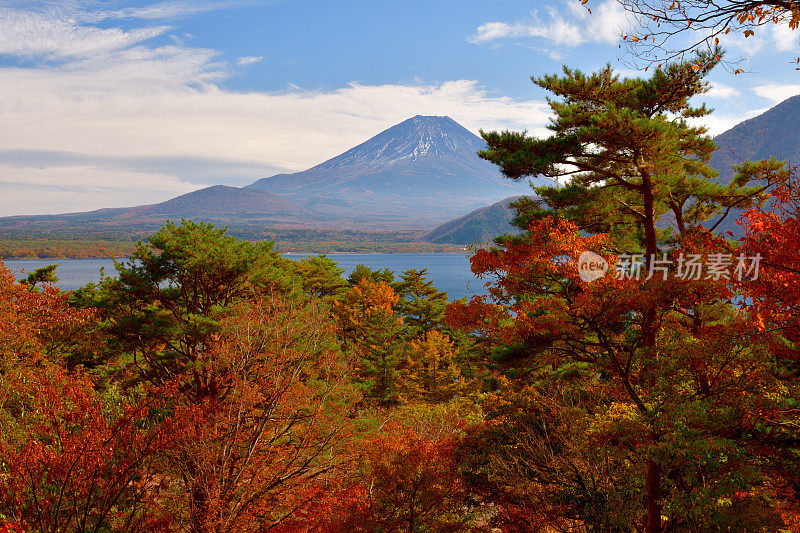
x: 775, y: 132
x: 247, y: 212
x: 222, y: 200
x: 425, y: 168
x: 481, y: 225
x: 217, y: 200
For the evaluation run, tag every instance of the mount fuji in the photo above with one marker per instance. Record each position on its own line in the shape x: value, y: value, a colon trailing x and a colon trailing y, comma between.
x: 421, y: 171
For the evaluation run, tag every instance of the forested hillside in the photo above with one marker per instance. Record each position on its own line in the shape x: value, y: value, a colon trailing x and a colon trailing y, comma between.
x: 479, y: 226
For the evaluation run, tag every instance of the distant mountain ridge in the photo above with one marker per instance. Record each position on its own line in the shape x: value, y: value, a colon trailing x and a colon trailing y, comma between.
x: 418, y: 174
x: 217, y: 200
x: 222, y: 199
x: 479, y: 226
x: 412, y: 176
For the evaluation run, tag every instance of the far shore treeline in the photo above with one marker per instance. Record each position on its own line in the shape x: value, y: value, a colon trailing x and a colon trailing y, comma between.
x: 101, y: 248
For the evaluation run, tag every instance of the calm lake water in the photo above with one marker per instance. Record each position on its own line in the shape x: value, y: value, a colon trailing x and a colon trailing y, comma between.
x: 449, y: 272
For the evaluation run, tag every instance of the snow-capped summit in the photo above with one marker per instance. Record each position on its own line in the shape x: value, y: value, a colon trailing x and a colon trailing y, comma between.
x: 412, y: 139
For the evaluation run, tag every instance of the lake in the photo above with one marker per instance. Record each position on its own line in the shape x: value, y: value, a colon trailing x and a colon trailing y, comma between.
x: 449, y: 272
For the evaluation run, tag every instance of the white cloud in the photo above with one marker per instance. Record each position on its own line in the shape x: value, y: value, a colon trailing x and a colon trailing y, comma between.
x: 163, y: 10
x: 571, y: 25
x: 122, y: 119
x: 119, y: 120
x: 30, y: 34
x: 721, y: 122
x: 720, y: 90
x: 785, y: 39
x: 249, y: 60
x: 59, y: 189
x: 777, y: 37
x: 777, y: 92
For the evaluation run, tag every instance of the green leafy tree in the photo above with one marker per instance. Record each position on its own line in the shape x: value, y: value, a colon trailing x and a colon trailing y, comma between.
x: 45, y: 274
x: 166, y: 304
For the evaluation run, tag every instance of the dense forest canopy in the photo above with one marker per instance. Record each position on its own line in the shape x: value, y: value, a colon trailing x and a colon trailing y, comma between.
x: 214, y: 385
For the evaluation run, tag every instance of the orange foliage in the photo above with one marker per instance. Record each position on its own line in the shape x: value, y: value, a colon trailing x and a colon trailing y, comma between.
x: 38, y: 323
x: 408, y: 481
x: 269, y: 424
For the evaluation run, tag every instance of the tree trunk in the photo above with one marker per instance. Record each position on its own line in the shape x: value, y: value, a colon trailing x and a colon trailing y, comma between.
x: 653, y: 495
x: 199, y: 511
x: 653, y: 479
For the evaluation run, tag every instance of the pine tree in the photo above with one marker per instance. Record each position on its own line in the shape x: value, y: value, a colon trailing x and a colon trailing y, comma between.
x: 371, y: 329
x: 321, y: 277
x: 421, y: 304
x: 430, y: 372
x: 631, y: 156
x: 639, y: 182
x: 375, y: 276
x: 165, y: 306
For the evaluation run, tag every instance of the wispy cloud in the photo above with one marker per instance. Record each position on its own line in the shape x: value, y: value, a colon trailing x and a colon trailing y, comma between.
x: 249, y: 60
x: 569, y: 25
x: 30, y: 34
x: 777, y: 92
x: 165, y: 10
x: 102, y: 117
x: 720, y: 90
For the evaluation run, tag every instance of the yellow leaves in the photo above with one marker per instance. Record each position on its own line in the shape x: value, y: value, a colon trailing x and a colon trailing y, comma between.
x: 716, y: 41
x: 748, y: 33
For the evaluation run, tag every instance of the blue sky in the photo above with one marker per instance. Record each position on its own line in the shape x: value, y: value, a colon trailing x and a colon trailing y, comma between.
x: 107, y: 103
